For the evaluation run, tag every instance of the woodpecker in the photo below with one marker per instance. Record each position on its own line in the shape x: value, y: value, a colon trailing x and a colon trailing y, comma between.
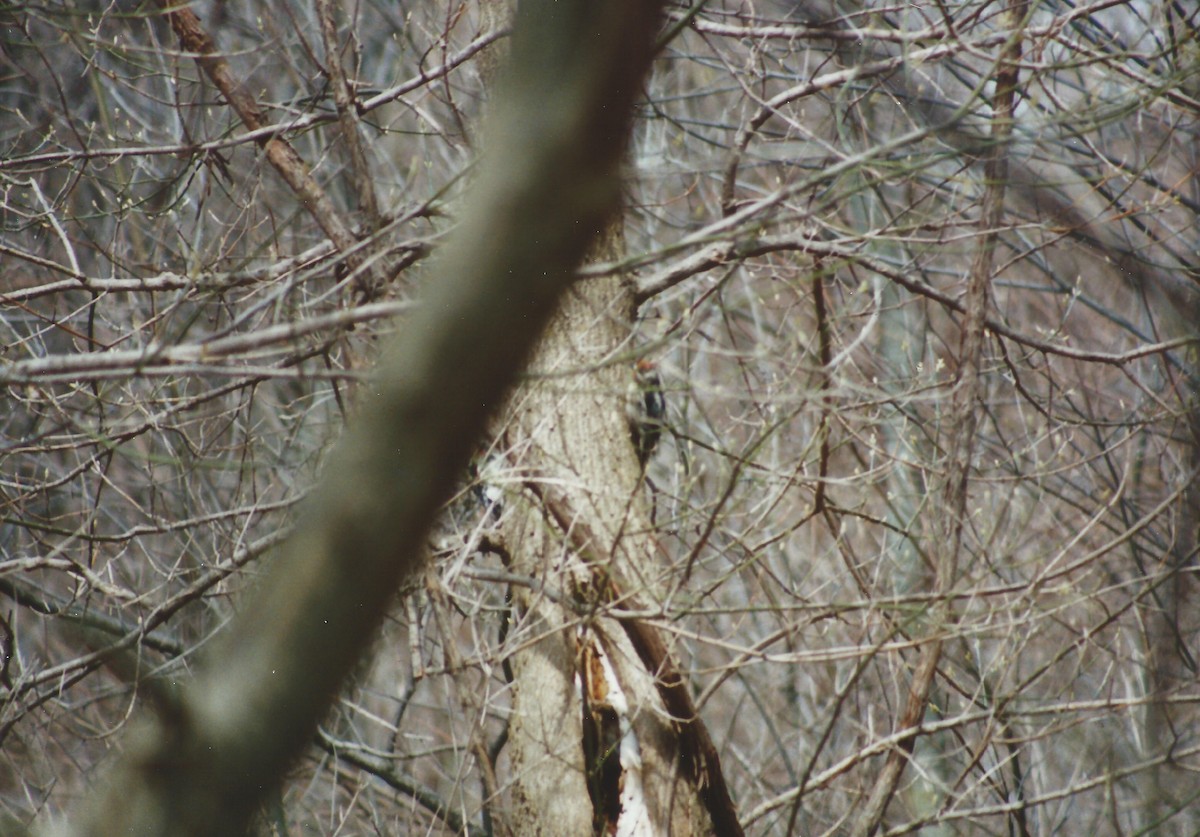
x: 645, y: 409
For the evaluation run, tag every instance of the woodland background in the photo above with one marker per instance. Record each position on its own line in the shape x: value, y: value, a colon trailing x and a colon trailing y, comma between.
x: 921, y: 285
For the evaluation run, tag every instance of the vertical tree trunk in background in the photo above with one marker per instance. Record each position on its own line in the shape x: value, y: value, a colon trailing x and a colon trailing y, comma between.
x: 586, y: 532
x: 566, y: 433
x: 567, y: 423
x: 1169, y: 616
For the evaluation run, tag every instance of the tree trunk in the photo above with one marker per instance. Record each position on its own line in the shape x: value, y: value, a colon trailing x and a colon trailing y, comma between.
x: 592, y: 741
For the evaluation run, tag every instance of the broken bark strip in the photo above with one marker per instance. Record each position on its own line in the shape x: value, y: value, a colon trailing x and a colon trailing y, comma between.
x: 280, y: 153
x: 602, y: 735
x: 698, y: 756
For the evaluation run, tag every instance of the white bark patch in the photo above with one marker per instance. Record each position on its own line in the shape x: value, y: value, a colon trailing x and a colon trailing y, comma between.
x: 635, y: 820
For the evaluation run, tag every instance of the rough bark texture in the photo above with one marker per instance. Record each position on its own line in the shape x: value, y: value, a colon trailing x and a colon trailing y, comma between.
x: 549, y: 793
x: 568, y: 425
x: 588, y: 536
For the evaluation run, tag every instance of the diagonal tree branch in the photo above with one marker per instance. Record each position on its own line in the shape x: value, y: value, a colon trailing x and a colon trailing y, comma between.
x: 698, y: 755
x: 279, y: 151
